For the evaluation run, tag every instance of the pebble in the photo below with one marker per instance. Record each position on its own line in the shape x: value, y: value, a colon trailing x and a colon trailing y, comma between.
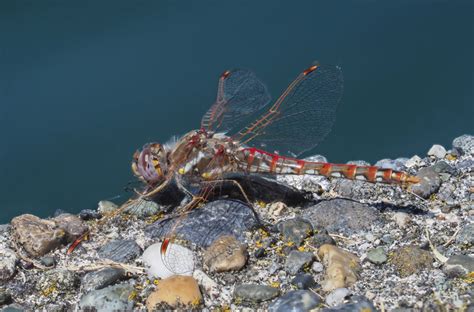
x: 429, y: 182
x: 5, y: 297
x: 57, y: 280
x: 295, y: 230
x: 342, y: 267
x: 72, y: 225
x: 356, y: 303
x: 260, y: 253
x: 298, y: 260
x: 465, y: 236
x: 175, y: 290
x: 402, y: 219
x: 111, y: 298
x: 277, y: 208
x: 101, y: 278
x: 437, y: 151
x: 464, y: 144
x: 358, y: 163
x: 317, y: 158
x: 36, y: 235
x: 377, y: 255
x: 317, y: 267
x: 225, y: 254
x: 106, y: 207
x: 459, y: 266
x: 414, y: 162
x: 443, y: 167
x: 143, y: 208
x: 8, y: 261
x: 296, y: 300
x: 14, y: 307
x: 177, y: 260
x: 337, y: 296
x: 304, y: 281
x: 211, y: 287
x: 120, y: 250
x: 411, y: 259
x: 255, y: 293
x: 395, y: 164
x: 89, y: 214
x: 322, y: 237
x: 48, y: 261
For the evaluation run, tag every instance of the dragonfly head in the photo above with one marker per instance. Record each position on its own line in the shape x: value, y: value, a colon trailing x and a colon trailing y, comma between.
x: 150, y: 164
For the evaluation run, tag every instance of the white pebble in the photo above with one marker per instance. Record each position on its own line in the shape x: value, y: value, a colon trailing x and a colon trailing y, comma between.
x: 317, y: 267
x: 336, y: 297
x: 401, y: 219
x: 437, y: 151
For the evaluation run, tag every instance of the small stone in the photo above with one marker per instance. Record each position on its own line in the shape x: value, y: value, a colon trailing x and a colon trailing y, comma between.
x: 211, y: 287
x: 459, y: 266
x: 377, y: 255
x: 317, y: 267
x: 58, y: 280
x: 396, y: 164
x: 296, y: 300
x: 175, y: 290
x: 89, y: 214
x: 342, y: 267
x: 437, y: 151
x: 177, y: 260
x: 464, y: 144
x: 337, y: 296
x: 317, y: 158
x: 429, y: 182
x: 295, y: 230
x: 106, y: 207
x: 101, y: 278
x: 443, y: 167
x: 72, y: 225
x: 225, y: 254
x: 120, y: 250
x: 414, y: 162
x: 304, y: 281
x: 356, y: 303
x: 8, y: 261
x: 411, y: 259
x: 465, y: 236
x: 277, y: 209
x: 143, y: 208
x: 255, y: 293
x: 401, y: 219
x: 358, y: 163
x: 47, y: 261
x: 260, y: 253
x: 298, y: 260
x: 5, y: 297
x: 321, y: 238
x: 111, y: 298
x: 14, y: 307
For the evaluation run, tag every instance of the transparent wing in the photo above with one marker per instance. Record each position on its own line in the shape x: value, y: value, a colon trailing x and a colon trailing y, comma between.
x: 239, y: 95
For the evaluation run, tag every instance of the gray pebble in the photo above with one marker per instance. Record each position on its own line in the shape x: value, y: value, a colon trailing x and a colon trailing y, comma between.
x: 459, y: 266
x: 437, y: 151
x: 112, y: 298
x: 465, y: 236
x: 102, y: 278
x: 464, y: 144
x: 337, y: 296
x: 47, y: 261
x: 295, y: 230
x: 255, y: 293
x: 297, y: 260
x: 120, y: 250
x: 429, y: 182
x: 297, y: 300
x: 304, y: 281
x: 377, y: 255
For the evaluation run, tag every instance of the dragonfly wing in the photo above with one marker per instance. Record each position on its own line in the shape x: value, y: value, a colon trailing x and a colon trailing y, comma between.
x: 302, y: 116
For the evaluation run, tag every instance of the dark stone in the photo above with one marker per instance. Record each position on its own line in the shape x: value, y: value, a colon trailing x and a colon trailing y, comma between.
x: 102, y: 278
x: 5, y: 297
x: 304, y: 281
x: 322, y: 238
x: 429, y: 182
x: 465, y: 236
x: 203, y: 225
x: 356, y: 303
x: 89, y: 214
x: 260, y: 253
x: 48, y: 261
x: 343, y: 216
x: 297, y: 300
x: 255, y: 293
x: 111, y: 298
x: 295, y: 230
x: 120, y: 250
x: 458, y: 266
x: 443, y: 167
x: 298, y: 260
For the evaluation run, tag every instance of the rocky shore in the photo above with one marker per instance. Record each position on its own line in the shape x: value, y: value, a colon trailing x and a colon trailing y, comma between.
x: 309, y: 243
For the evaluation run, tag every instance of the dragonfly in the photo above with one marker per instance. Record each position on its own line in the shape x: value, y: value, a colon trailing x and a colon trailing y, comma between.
x: 245, y: 132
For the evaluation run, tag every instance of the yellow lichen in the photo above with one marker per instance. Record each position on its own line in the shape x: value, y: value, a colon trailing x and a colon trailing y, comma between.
x: 48, y: 291
x: 132, y: 295
x: 261, y: 204
x: 290, y: 244
x: 196, y: 302
x: 275, y: 284
x: 469, y: 278
x: 156, y: 281
x: 258, y: 244
x: 451, y: 157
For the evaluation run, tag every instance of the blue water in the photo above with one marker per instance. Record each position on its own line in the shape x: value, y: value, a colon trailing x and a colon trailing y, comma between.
x: 85, y: 83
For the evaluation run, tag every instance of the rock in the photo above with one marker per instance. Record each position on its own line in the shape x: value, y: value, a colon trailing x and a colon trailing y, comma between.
x: 225, y: 254
x: 337, y: 296
x: 377, y: 255
x: 465, y: 164
x: 204, y: 225
x: 411, y: 259
x: 276, y: 209
x: 175, y: 290
x: 255, y: 293
x: 211, y: 287
x: 48, y: 261
x: 8, y: 261
x: 14, y: 307
x: 317, y: 267
x: 465, y: 236
x: 111, y: 298
x: 401, y: 219
x: 72, y: 225
x: 177, y: 260
x: 358, y: 163
x: 343, y: 216
x: 304, y: 281
x: 106, y: 207
x: 296, y: 300
x: 57, y: 280
x: 437, y: 151
x: 37, y: 236
x: 342, y: 267
x: 396, y: 164
x: 295, y: 230
x: 443, y: 167
x: 464, y: 144
x: 429, y: 182
x: 459, y: 266
x: 357, y: 303
x: 260, y: 253
x: 102, y: 278
x: 143, y: 208
x: 89, y: 214
x: 298, y: 260
x: 321, y: 238
x: 317, y: 158
x: 5, y: 298
x: 120, y: 250
x: 414, y: 162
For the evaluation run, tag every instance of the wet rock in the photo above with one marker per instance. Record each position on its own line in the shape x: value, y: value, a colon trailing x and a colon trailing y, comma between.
x: 111, y: 298
x: 297, y: 300
x: 89, y: 214
x: 343, y: 216
x: 143, y: 208
x: 411, y: 259
x: 37, y: 236
x: 102, y: 278
x: 47, y: 261
x: 437, y: 151
x: 204, y: 225
x: 459, y: 266
x: 342, y: 267
x: 377, y: 255
x: 298, y: 260
x: 120, y: 250
x: 8, y: 261
x: 337, y: 296
x: 57, y: 280
x: 106, y: 207
x: 357, y: 303
x: 225, y: 254
x: 429, y: 182
x: 394, y: 164
x: 72, y: 225
x: 465, y: 236
x: 304, y: 281
x: 255, y: 293
x: 295, y: 230
x: 464, y: 144
x: 176, y: 260
x: 5, y: 297
x: 175, y: 290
